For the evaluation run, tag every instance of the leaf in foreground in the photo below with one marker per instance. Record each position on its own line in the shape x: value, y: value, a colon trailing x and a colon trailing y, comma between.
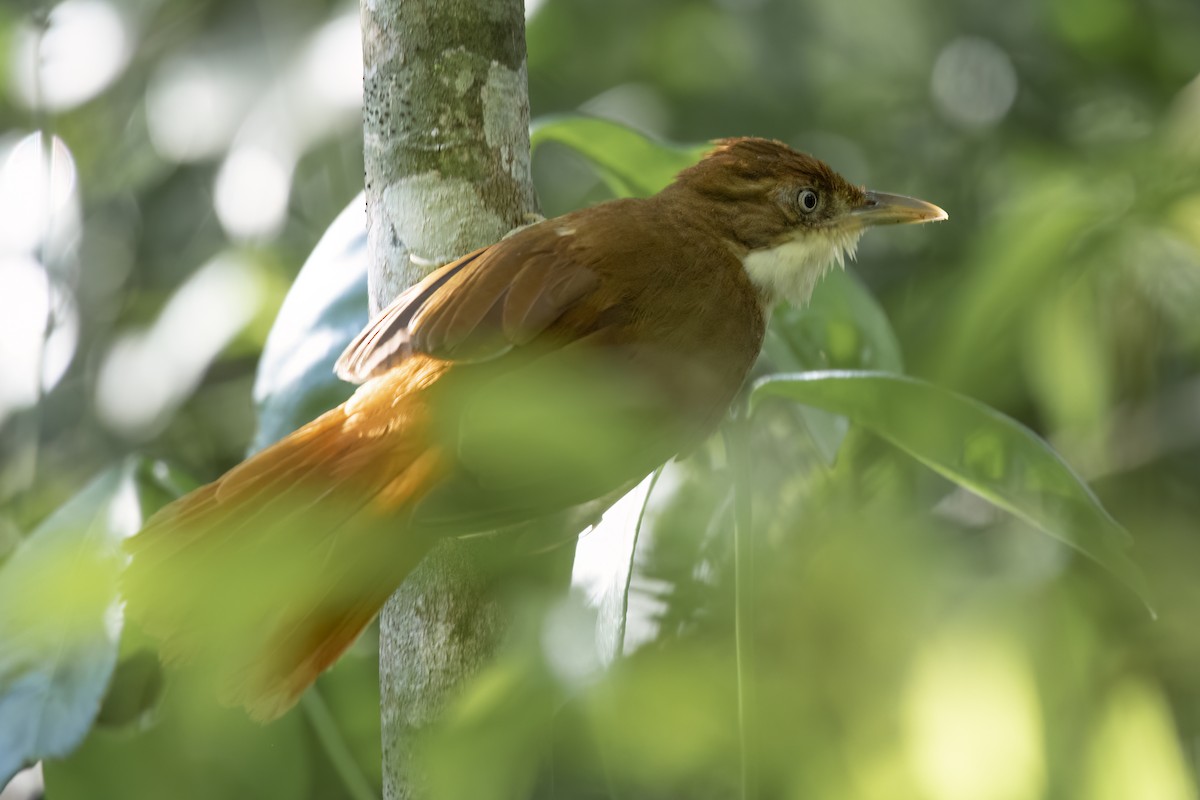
x: 60, y: 621
x: 843, y: 327
x: 976, y: 447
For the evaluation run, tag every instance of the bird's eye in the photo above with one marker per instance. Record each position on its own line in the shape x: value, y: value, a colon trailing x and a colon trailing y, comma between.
x: 809, y: 200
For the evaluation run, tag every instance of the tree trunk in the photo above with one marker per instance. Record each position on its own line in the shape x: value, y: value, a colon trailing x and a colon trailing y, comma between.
x: 446, y: 138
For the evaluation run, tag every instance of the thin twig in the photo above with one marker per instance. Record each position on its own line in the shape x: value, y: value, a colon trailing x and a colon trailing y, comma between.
x: 335, y: 747
x: 737, y: 435
x: 637, y: 533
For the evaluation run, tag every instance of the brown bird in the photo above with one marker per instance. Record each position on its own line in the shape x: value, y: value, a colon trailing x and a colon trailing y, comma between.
x: 550, y: 369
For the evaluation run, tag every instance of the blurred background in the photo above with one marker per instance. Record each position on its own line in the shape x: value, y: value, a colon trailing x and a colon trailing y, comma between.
x: 166, y: 167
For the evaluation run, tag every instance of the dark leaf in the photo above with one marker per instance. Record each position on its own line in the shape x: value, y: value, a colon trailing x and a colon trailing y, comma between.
x: 325, y: 308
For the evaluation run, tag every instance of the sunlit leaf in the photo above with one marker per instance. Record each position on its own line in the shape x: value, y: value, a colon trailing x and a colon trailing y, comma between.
x: 1134, y: 749
x: 325, y: 308
x: 605, y: 562
x: 632, y: 163
x: 60, y: 621
x: 976, y: 447
x: 1068, y: 364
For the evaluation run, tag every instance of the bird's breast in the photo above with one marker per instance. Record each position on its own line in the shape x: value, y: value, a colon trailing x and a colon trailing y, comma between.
x: 790, y: 270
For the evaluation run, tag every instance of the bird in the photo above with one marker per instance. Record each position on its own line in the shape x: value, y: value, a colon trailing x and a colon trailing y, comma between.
x: 549, y: 370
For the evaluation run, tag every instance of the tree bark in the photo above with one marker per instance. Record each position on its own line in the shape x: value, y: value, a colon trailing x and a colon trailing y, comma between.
x: 446, y: 139
x: 446, y: 132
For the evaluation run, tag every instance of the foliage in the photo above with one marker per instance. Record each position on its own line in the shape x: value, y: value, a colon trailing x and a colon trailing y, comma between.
x: 61, y: 622
x: 972, y: 445
x: 909, y: 640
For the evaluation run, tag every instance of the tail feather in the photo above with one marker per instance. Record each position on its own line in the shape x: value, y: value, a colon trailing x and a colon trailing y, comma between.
x: 274, y: 569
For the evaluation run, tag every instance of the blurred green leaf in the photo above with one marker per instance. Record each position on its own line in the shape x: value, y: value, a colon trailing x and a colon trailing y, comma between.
x: 1134, y: 749
x: 135, y: 688
x: 976, y: 447
x: 159, y: 482
x: 1066, y: 358
x: 336, y: 748
x: 350, y: 692
x: 60, y: 621
x: 325, y: 308
x: 192, y: 750
x: 500, y: 725
x: 842, y: 327
x: 1031, y: 244
x: 667, y: 718
x: 632, y: 163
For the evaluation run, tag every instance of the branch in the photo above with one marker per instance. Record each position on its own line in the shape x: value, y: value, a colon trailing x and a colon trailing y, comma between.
x: 446, y: 140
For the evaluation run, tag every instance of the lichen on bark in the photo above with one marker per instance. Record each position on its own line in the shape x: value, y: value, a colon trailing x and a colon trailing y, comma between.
x: 446, y: 145
x: 445, y: 98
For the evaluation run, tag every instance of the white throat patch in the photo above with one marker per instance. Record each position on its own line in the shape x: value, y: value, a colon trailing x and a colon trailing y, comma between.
x: 791, y: 270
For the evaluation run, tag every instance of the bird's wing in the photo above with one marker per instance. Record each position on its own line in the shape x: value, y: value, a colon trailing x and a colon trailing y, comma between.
x: 474, y: 309
x: 550, y: 403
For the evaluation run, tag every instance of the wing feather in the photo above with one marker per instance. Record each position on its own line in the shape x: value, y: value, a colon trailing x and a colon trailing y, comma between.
x: 385, y: 343
x: 539, y: 294
x: 476, y: 308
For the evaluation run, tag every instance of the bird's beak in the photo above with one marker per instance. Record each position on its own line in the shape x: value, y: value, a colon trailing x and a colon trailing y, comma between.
x: 881, y: 208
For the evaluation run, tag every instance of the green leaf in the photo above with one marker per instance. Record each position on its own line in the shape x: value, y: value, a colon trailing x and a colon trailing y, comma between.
x: 159, y: 482
x: 60, y: 621
x: 350, y: 735
x: 184, y: 747
x: 1029, y: 246
x: 976, y: 447
x: 324, y: 310
x: 605, y: 562
x: 193, y: 750
x: 843, y: 327
x: 632, y: 163
x: 501, y: 720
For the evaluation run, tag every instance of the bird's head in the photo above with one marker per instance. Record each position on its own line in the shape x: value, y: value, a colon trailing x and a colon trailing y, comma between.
x: 787, y: 215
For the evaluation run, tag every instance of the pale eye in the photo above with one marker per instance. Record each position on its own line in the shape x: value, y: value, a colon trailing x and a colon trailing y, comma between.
x: 809, y: 200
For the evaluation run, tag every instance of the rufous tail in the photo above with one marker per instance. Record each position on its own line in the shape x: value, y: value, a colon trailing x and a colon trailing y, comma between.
x: 269, y: 573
